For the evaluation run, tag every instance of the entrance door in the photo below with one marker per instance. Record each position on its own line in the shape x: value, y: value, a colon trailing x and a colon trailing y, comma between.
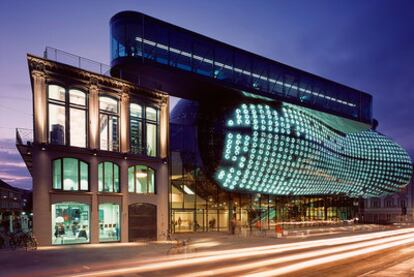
x: 142, y: 222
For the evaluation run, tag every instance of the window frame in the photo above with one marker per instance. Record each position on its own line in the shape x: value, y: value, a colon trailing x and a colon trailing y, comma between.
x: 108, y: 115
x: 79, y: 161
x: 113, y: 177
x: 67, y: 105
x: 135, y: 179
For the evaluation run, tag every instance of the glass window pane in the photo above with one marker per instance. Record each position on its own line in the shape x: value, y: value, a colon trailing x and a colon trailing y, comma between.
x: 77, y: 97
x: 151, y: 181
x: 141, y: 179
x: 151, y: 140
x: 56, y: 93
x: 135, y: 110
x: 84, y: 178
x: 57, y: 174
x: 56, y: 124
x: 131, y: 179
x: 109, y: 223
x: 100, y: 177
x: 70, y: 223
x: 108, y: 184
x: 113, y: 133
x: 70, y: 174
x: 103, y: 123
x: 135, y: 135
x: 116, y: 178
x: 77, y: 127
x: 151, y: 113
x: 108, y: 104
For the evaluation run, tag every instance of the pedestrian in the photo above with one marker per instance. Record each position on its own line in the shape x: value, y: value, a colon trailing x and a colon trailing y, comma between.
x: 233, y: 224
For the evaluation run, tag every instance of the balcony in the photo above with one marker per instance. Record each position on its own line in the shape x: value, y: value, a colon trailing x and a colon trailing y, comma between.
x: 24, y: 142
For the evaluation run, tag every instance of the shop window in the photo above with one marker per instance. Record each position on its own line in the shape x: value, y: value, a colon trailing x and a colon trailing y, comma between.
x: 141, y: 179
x: 108, y: 173
x: 109, y: 123
x: 67, y: 116
x: 109, y: 222
x: 70, y: 174
x: 70, y: 223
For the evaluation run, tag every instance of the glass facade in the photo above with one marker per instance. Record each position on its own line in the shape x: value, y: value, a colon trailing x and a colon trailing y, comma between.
x: 70, y: 223
x: 109, y: 222
x: 70, y: 174
x: 67, y: 116
x: 141, y: 179
x: 108, y: 177
x: 109, y: 123
x: 144, y: 130
x: 137, y: 35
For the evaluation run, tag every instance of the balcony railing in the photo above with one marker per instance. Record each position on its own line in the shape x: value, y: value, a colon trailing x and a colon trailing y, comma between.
x: 76, y: 61
x: 24, y: 136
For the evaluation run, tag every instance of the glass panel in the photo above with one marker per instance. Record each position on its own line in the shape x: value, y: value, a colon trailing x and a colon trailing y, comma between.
x: 151, y: 140
x: 136, y: 135
x: 77, y: 127
x: 56, y: 93
x: 56, y: 124
x: 151, y: 181
x: 108, y: 104
x: 151, y: 114
x: 141, y: 179
x: 116, y: 178
x: 109, y: 175
x: 113, y: 133
x: 131, y: 179
x: 109, y: 223
x: 103, y: 122
x: 136, y: 110
x: 70, y: 223
x: 182, y: 221
x: 84, y: 185
x: 70, y: 174
x: 100, y: 177
x: 77, y: 97
x: 57, y: 174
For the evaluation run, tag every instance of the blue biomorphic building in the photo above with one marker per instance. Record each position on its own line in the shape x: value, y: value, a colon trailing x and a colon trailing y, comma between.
x: 253, y: 138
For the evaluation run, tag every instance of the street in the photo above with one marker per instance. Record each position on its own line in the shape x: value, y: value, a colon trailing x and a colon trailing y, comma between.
x: 365, y: 254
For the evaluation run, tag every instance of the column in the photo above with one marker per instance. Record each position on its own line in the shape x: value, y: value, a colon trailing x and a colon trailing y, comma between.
x: 93, y: 186
x: 93, y: 114
x: 124, y: 145
x: 39, y: 106
x: 164, y: 128
x: 124, y: 206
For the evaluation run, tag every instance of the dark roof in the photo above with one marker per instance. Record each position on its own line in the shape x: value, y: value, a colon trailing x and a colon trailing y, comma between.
x: 7, y: 186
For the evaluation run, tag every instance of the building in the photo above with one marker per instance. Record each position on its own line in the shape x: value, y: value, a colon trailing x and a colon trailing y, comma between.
x: 394, y: 208
x: 251, y: 139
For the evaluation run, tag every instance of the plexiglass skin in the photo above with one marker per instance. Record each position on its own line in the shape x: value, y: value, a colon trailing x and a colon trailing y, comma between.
x: 287, y: 150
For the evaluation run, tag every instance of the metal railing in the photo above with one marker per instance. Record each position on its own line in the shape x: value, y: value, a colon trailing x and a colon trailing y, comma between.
x: 60, y: 56
x: 24, y: 136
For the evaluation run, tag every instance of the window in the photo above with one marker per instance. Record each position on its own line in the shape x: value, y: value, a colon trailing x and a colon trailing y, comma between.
x: 70, y: 174
x: 70, y: 223
x: 109, y: 223
x: 108, y: 173
x: 144, y: 130
x: 109, y: 123
x: 67, y: 116
x: 141, y: 179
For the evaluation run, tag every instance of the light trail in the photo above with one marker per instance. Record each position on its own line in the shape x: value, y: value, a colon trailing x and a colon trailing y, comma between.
x: 295, y: 257
x: 217, y: 256
x: 328, y: 259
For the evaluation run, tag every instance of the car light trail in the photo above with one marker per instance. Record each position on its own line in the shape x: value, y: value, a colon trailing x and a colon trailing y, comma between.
x: 328, y: 259
x: 254, y: 252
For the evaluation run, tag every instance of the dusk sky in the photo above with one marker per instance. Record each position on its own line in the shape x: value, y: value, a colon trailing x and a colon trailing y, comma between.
x: 368, y: 45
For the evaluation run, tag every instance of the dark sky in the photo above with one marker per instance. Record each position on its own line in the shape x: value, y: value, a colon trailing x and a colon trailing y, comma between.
x: 368, y: 45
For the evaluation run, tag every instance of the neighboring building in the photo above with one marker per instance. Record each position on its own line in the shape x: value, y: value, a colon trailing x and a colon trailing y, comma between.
x: 251, y: 139
x: 97, y: 157
x: 394, y: 208
x: 14, y: 201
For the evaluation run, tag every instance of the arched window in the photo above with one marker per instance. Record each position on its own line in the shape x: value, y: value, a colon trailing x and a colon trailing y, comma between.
x: 67, y: 116
x: 70, y: 174
x: 108, y: 173
x: 109, y: 123
x: 144, y: 129
x: 141, y: 179
x: 70, y: 223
